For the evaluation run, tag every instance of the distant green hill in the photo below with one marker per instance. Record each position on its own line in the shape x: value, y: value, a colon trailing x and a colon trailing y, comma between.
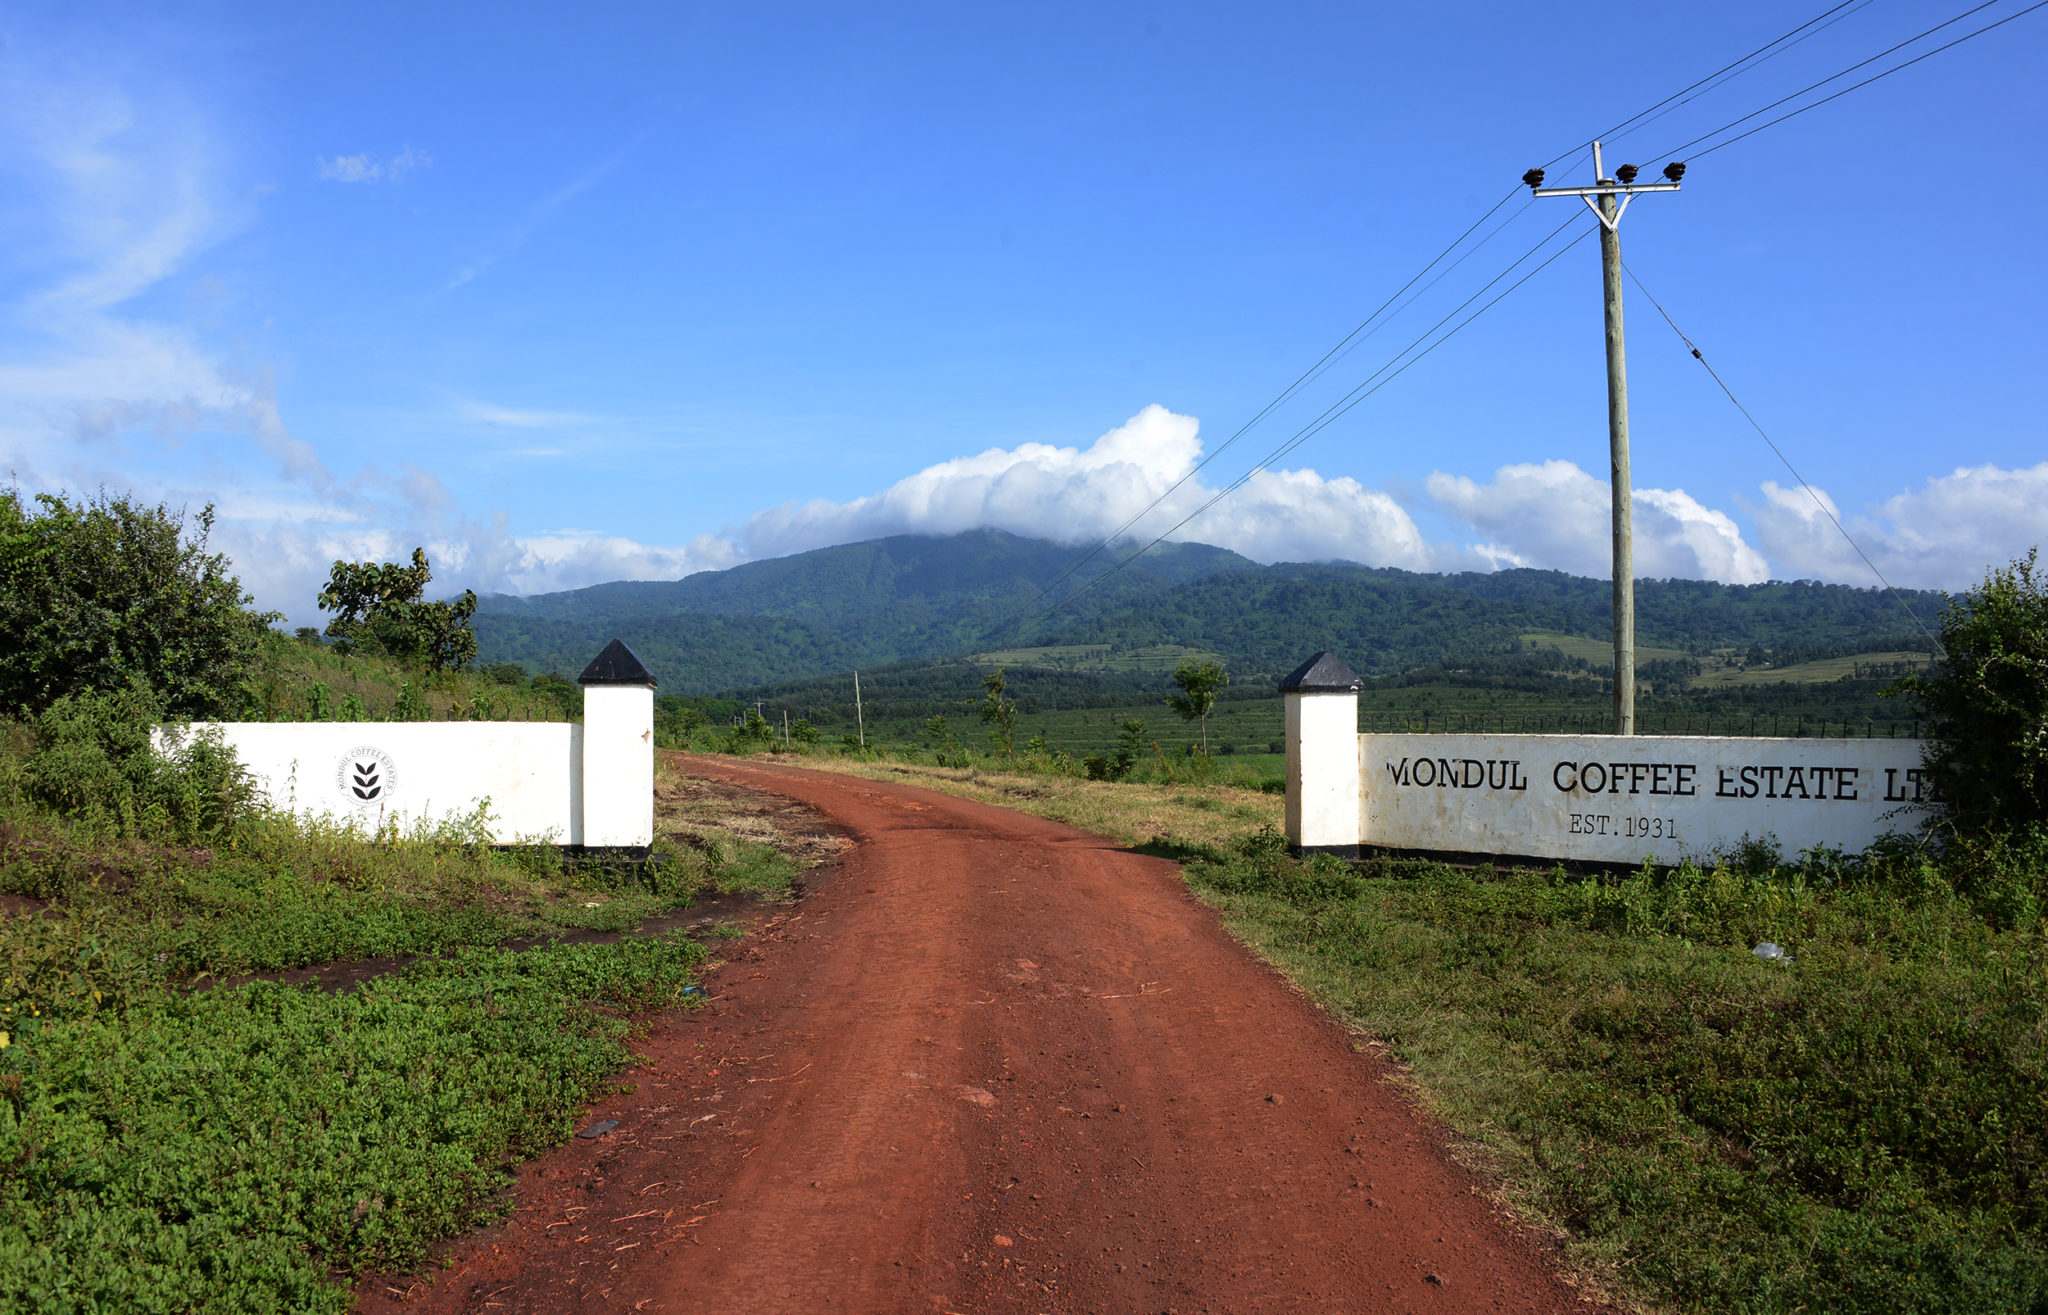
x: 898, y: 599
x: 913, y: 599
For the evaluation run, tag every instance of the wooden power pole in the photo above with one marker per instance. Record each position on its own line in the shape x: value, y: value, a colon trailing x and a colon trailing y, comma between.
x: 1608, y: 198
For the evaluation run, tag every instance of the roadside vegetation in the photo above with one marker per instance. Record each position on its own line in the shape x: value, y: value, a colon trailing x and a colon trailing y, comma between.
x: 1860, y: 1125
x: 244, y: 1058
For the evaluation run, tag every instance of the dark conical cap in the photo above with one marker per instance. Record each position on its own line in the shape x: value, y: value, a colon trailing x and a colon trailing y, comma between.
x: 616, y: 665
x: 1325, y: 673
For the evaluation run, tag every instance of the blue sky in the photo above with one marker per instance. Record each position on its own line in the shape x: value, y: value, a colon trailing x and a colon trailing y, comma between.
x: 575, y: 295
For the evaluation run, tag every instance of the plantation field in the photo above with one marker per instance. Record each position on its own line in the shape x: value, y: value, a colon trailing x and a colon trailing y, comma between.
x: 1599, y: 652
x: 1254, y: 725
x: 1162, y: 658
x: 1809, y: 673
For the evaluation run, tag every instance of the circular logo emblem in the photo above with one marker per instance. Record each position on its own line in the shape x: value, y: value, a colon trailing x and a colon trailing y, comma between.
x: 366, y: 776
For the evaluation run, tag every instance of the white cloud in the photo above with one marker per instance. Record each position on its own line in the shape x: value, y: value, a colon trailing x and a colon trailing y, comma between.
x: 368, y: 168
x: 538, y: 216
x: 1075, y: 494
x: 1943, y: 535
x: 1553, y: 514
x: 507, y: 417
x: 351, y: 169
x: 569, y: 559
x: 123, y: 195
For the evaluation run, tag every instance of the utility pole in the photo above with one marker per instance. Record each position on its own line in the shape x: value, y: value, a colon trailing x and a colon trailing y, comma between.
x: 1608, y: 199
x: 859, y: 720
x: 785, y: 728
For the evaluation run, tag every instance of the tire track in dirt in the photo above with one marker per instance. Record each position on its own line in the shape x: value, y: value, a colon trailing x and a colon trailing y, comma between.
x: 994, y: 1064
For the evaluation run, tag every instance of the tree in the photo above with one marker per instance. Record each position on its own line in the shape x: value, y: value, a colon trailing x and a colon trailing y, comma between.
x: 380, y: 607
x: 105, y: 594
x: 1986, y: 703
x: 999, y: 713
x: 1200, y: 683
x: 1130, y: 742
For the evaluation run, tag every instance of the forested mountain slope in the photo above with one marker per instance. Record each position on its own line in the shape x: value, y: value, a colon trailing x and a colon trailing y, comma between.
x: 915, y: 598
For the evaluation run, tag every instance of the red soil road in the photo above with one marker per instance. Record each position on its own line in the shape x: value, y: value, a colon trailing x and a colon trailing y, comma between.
x: 994, y: 1064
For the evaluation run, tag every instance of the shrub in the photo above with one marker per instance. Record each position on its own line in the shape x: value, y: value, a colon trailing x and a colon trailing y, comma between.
x: 96, y: 596
x: 93, y: 761
x: 1986, y: 702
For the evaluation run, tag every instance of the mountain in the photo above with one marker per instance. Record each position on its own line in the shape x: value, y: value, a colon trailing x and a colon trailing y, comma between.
x: 915, y: 598
x: 902, y: 598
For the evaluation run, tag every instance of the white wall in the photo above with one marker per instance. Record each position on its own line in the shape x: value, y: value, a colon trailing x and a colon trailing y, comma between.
x: 1625, y: 799
x: 424, y: 771
x: 1322, y: 769
x: 618, y: 765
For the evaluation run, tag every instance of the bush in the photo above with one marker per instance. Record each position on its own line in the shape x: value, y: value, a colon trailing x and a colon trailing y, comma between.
x: 93, y: 761
x: 96, y: 596
x: 1118, y: 765
x: 1986, y: 702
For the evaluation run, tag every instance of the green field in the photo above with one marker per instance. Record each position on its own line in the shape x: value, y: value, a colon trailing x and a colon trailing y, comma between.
x: 1254, y: 725
x: 1812, y: 673
x: 1599, y: 652
x: 1096, y: 657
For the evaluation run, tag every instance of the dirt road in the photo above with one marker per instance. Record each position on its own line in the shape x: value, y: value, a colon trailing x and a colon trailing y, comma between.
x: 994, y: 1064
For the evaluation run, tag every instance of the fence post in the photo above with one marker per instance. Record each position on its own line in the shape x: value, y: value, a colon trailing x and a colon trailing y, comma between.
x: 615, y: 779
x: 1325, y: 807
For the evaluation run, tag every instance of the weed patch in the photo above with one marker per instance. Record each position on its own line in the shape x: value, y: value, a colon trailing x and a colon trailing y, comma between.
x: 1860, y: 1129
x: 233, y: 1150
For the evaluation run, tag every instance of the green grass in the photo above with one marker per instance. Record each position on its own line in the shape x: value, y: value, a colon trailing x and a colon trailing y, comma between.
x: 1860, y: 1130
x: 1810, y: 673
x: 1599, y: 652
x: 298, y: 681
x: 1097, y: 657
x: 169, y: 1142
x: 130, y: 919
x: 232, y: 1151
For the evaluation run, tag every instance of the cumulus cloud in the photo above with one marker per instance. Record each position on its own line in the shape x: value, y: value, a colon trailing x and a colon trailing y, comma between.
x: 1075, y: 494
x: 366, y: 168
x: 569, y: 559
x: 1554, y: 514
x: 1945, y: 534
x: 282, y: 552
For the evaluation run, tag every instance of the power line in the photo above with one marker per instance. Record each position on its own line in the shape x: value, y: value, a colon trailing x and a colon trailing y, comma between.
x: 1731, y: 68
x: 1357, y: 395
x: 1849, y: 11
x: 1680, y: 151
x: 1346, y: 404
x: 1359, y: 333
x: 1306, y: 377
x: 1770, y: 442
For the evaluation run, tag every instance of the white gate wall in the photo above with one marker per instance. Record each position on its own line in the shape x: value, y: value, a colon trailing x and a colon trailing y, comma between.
x: 1627, y: 798
x: 588, y: 785
x: 420, y: 772
x: 1591, y: 798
